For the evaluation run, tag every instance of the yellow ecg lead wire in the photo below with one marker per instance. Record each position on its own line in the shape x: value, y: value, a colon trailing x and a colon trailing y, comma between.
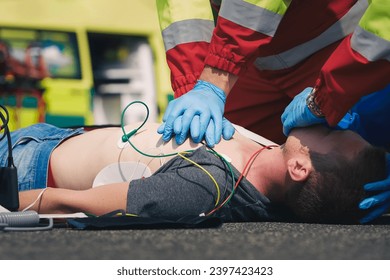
x: 208, y: 173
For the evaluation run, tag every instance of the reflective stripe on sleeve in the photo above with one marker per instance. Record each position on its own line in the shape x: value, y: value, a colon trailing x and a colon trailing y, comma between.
x: 255, y: 17
x: 369, y: 45
x: 346, y: 25
x: 187, y: 31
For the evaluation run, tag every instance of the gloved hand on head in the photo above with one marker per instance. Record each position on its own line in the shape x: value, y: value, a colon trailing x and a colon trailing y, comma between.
x: 198, y: 113
x: 297, y: 114
x: 380, y: 202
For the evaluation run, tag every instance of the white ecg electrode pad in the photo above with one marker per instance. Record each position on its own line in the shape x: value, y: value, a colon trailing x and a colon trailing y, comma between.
x: 120, y: 172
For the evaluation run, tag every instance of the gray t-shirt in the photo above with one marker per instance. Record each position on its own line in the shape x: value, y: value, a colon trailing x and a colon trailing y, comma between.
x: 179, y: 189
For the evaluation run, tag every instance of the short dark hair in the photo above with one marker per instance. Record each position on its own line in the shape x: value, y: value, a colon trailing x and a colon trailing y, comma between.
x: 332, y: 192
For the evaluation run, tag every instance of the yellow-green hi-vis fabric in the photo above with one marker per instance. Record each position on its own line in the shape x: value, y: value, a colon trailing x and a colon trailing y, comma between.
x: 171, y: 11
x: 372, y: 37
x: 278, y: 7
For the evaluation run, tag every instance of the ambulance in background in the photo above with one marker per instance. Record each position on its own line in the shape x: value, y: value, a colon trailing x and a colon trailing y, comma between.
x: 100, y: 55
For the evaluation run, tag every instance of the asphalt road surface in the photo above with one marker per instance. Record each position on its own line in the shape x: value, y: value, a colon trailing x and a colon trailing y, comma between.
x: 244, y: 241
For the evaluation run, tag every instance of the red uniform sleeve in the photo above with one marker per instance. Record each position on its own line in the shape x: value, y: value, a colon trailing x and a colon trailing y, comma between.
x: 233, y: 46
x: 345, y: 78
x: 235, y: 42
x: 186, y: 62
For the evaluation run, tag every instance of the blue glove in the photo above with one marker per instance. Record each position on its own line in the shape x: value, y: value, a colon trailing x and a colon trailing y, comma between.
x: 204, y: 100
x: 227, y: 130
x: 379, y: 203
x: 297, y: 114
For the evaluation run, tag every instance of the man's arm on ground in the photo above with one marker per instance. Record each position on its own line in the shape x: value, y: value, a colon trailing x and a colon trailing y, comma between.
x: 97, y: 201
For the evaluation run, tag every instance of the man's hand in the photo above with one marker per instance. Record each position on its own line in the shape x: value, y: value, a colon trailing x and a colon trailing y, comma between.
x: 297, y: 114
x: 198, y: 112
x: 379, y: 203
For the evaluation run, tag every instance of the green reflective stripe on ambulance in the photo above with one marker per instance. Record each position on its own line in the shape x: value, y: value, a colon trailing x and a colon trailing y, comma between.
x: 346, y: 25
x: 376, y: 20
x: 171, y: 11
x: 251, y: 16
x: 276, y: 6
x: 187, y: 31
x: 369, y: 45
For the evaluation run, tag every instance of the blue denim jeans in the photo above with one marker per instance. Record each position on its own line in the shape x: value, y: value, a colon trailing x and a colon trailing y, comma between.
x: 31, y: 149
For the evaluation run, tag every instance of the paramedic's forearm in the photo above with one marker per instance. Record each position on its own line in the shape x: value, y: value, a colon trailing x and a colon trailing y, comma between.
x: 222, y: 79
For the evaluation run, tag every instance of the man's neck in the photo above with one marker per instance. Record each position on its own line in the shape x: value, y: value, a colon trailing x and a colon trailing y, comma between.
x: 268, y: 173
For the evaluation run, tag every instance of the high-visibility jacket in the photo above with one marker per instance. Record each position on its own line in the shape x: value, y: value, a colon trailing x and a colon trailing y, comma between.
x: 279, y: 34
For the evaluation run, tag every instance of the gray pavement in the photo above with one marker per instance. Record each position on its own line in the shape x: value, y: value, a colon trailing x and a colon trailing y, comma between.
x: 230, y: 241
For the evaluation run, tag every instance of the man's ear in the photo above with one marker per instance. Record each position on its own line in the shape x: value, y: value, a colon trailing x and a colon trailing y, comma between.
x: 299, y: 169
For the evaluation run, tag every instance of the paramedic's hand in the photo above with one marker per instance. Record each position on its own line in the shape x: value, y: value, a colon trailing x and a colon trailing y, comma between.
x: 227, y: 129
x: 379, y: 203
x: 297, y: 114
x: 204, y: 100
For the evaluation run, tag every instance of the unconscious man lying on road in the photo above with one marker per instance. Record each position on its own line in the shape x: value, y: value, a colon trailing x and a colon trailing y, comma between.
x: 317, y: 174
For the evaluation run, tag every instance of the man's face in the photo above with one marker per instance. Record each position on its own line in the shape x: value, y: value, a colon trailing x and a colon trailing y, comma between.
x: 323, y: 140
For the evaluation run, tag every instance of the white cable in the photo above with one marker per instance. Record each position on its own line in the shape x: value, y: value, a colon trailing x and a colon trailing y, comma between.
x: 35, y: 201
